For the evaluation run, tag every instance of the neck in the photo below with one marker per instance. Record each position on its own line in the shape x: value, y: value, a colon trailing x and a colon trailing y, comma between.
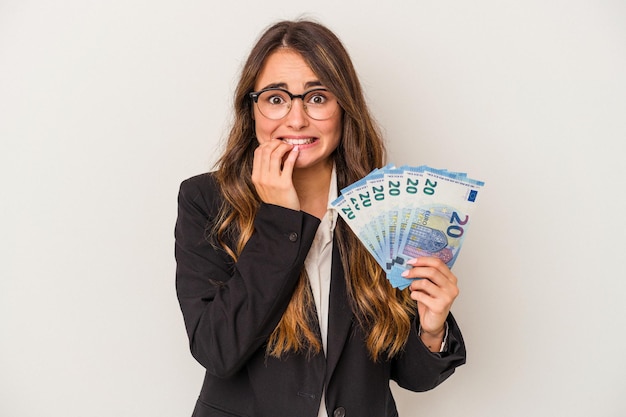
x: 312, y: 186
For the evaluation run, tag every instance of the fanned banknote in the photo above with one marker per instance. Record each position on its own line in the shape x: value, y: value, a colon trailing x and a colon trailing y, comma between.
x: 401, y: 213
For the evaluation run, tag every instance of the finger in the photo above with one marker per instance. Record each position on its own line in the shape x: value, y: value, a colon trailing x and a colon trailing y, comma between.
x: 426, y: 300
x: 439, y: 296
x: 290, y: 161
x: 426, y: 273
x: 267, y: 164
x: 426, y: 286
x: 435, y: 264
x: 435, y: 300
x: 263, y: 155
x: 278, y: 156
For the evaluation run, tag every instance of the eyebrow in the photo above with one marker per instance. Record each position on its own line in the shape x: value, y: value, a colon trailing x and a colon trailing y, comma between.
x: 307, y: 86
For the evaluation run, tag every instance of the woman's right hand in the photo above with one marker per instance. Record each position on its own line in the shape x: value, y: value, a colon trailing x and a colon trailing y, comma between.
x: 272, y: 171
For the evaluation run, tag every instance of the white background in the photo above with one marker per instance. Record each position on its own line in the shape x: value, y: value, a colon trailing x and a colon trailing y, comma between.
x: 105, y: 106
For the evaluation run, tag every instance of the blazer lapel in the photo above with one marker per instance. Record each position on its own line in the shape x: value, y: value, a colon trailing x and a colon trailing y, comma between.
x: 339, y: 314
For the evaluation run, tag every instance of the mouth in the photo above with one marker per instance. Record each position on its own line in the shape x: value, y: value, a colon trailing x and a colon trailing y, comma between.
x: 299, y: 141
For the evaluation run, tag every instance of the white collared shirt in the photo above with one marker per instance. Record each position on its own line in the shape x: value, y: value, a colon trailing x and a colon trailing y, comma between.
x: 318, y: 267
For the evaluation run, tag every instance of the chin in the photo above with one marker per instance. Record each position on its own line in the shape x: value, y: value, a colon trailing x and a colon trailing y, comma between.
x: 304, y: 163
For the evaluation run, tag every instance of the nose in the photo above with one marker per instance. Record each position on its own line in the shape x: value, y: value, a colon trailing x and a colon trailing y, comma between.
x: 297, y: 117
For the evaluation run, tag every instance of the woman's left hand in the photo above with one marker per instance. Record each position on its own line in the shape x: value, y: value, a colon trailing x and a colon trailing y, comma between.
x: 434, y: 294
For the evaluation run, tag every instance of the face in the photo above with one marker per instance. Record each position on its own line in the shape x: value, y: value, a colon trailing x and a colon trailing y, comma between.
x: 316, y: 139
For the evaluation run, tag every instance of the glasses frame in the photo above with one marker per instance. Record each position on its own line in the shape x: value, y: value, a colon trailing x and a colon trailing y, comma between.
x: 254, y: 95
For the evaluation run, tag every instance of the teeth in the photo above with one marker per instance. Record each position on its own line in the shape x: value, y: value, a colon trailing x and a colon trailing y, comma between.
x: 298, y: 141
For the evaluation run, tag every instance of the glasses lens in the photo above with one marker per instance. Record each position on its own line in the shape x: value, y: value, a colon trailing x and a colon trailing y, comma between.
x: 318, y: 104
x: 274, y: 104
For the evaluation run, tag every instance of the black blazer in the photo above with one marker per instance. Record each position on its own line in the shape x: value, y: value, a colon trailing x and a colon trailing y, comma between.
x: 230, y: 309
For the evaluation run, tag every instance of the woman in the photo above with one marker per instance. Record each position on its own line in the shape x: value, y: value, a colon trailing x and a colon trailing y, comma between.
x: 283, y: 306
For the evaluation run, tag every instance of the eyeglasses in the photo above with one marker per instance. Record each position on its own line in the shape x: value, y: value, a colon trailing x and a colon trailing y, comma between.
x: 275, y: 103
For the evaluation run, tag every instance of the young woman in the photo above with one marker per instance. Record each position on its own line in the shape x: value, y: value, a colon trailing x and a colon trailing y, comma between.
x: 283, y: 306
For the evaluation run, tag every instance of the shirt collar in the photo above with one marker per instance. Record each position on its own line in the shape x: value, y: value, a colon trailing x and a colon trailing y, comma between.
x: 332, y: 196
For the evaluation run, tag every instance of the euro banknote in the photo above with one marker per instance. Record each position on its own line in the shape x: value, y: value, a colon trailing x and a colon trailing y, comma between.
x: 401, y: 213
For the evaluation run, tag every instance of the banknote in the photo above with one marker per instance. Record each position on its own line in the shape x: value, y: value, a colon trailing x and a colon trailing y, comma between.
x: 401, y: 213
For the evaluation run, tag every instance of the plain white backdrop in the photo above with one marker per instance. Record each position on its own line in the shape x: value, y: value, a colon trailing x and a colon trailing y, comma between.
x: 106, y: 106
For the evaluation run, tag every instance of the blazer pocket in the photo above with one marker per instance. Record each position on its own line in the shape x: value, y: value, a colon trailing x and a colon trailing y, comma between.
x: 204, y: 409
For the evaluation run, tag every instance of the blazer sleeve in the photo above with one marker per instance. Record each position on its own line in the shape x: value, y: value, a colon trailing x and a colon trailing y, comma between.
x: 419, y: 369
x: 230, y: 308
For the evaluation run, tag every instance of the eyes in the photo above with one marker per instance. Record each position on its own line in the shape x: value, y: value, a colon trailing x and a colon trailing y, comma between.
x: 278, y: 97
x: 317, y: 98
x: 275, y: 103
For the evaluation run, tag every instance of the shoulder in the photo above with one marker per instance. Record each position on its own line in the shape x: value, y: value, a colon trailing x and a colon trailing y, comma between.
x: 199, y: 182
x: 200, y: 190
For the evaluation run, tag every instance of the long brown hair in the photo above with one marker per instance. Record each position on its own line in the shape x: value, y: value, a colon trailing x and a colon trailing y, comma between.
x: 383, y: 312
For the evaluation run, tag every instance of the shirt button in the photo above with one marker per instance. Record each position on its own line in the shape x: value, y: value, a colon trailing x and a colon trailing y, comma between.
x: 339, y: 412
x: 293, y: 236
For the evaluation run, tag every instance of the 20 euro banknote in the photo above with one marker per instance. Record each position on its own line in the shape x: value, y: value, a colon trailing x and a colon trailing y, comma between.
x: 407, y: 212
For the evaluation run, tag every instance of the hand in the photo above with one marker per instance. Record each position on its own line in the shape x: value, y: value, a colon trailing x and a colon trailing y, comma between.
x: 434, y: 294
x: 272, y: 171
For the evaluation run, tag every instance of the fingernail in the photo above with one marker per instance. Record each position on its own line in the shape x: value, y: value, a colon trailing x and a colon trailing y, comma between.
x: 405, y: 273
x: 295, y: 148
x: 411, y: 261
